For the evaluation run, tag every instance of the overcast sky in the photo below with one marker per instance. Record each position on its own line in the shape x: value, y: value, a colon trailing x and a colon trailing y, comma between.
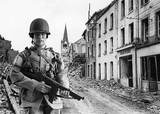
x: 16, y: 16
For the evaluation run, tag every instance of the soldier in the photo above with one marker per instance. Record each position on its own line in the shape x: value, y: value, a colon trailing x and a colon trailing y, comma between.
x: 32, y: 92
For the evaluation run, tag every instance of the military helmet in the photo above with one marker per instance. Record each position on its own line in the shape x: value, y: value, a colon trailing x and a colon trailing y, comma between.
x: 39, y: 25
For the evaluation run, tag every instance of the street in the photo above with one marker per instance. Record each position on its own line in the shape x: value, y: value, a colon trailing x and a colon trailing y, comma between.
x: 96, y: 102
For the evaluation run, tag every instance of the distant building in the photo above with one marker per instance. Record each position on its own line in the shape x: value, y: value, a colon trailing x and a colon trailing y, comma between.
x: 77, y: 48
x: 65, y: 48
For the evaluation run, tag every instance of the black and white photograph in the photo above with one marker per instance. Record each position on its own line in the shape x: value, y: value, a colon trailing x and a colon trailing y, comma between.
x: 79, y: 56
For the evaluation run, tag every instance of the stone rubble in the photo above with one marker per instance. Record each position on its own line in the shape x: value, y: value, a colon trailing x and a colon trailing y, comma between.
x: 143, y: 100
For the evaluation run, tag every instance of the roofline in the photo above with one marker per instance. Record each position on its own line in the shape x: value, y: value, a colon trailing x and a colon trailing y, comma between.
x: 95, y: 13
x: 107, y: 8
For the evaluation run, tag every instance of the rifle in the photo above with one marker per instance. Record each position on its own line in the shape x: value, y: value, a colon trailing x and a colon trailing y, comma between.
x: 39, y: 76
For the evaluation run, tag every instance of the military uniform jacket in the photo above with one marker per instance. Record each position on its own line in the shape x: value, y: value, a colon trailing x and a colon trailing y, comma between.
x: 31, y: 59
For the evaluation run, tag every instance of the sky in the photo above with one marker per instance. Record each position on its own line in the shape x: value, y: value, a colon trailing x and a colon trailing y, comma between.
x: 16, y: 16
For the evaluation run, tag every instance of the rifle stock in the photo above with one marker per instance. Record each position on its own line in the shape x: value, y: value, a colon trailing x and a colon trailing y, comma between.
x: 54, y: 85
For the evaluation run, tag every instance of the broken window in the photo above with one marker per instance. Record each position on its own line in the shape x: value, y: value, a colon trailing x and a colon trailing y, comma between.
x: 111, y: 45
x: 99, y: 55
x: 91, y: 70
x: 105, y: 25
x: 88, y: 52
x: 122, y: 8
x: 105, y: 70
x: 88, y: 70
x: 94, y: 66
x: 158, y: 66
x: 92, y: 51
x: 111, y: 69
x: 158, y: 24
x: 111, y: 21
x: 145, y: 29
x: 105, y: 47
x: 122, y: 36
x: 131, y: 30
x: 99, y: 71
x: 130, y: 5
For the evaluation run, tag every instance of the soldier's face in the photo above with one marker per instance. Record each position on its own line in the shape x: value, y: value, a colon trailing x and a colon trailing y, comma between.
x: 40, y: 39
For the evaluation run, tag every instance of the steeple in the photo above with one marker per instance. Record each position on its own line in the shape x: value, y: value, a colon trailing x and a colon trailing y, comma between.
x: 65, y: 35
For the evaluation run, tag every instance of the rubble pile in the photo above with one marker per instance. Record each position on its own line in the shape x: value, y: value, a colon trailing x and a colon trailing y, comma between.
x: 112, y: 87
x: 75, y: 70
x: 5, y: 107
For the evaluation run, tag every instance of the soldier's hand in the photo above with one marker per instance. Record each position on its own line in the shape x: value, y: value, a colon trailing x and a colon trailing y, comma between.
x: 42, y: 87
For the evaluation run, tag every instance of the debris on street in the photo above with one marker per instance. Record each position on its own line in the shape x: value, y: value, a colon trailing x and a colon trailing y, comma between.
x: 145, y: 100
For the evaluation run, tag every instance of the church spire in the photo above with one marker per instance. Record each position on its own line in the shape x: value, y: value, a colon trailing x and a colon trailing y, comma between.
x: 65, y: 36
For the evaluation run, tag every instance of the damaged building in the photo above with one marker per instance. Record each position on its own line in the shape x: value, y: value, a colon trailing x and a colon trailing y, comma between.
x: 123, y: 42
x: 148, y: 49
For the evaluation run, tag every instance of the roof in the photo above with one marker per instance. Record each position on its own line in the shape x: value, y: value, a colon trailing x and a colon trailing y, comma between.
x: 96, y: 14
x: 104, y: 10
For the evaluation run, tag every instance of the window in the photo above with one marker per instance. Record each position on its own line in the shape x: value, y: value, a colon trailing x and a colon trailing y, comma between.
x: 105, y: 70
x: 158, y: 24
x: 131, y: 32
x: 88, y: 35
x: 144, y: 2
x: 92, y: 50
x: 111, y: 21
x: 122, y: 9
x: 111, y: 45
x: 145, y: 29
x: 122, y: 36
x: 105, y: 25
x: 111, y: 70
x: 130, y: 5
x: 91, y: 71
x: 88, y: 70
x: 99, y: 71
x: 105, y: 47
x: 99, y: 31
x: 94, y: 70
x: 99, y: 50
x: 88, y: 52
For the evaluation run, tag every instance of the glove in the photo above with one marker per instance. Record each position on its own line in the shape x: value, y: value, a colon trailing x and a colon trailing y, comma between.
x: 42, y: 87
